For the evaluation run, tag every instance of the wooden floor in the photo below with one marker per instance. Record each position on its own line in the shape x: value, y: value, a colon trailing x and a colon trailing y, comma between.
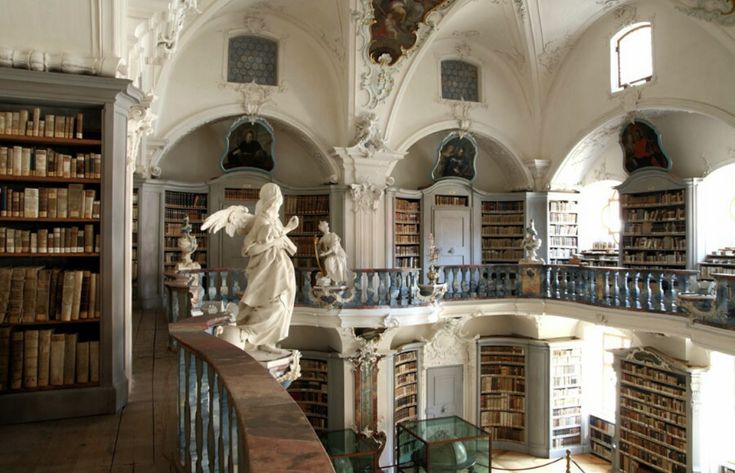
x: 136, y: 440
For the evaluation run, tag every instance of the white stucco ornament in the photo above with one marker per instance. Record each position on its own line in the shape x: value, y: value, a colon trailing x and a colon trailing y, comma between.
x: 366, y: 197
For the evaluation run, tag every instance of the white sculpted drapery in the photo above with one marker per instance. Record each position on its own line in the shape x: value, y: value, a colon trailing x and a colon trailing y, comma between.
x: 266, y: 306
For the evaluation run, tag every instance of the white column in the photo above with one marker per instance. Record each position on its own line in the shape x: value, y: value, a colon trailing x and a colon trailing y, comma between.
x: 696, y: 436
x: 367, y: 172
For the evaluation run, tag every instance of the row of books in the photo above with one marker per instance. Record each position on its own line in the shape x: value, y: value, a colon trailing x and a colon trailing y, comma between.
x: 515, y: 403
x: 304, y: 245
x: 657, y: 243
x: 313, y: 365
x: 306, y: 204
x: 510, y: 206
x: 654, y: 215
x: 40, y: 358
x: 403, y: 228
x: 502, y: 418
x: 562, y: 206
x: 49, y: 240
x: 242, y: 194
x: 25, y: 123
x: 403, y: 205
x: 631, y: 458
x: 654, y: 227
x: 405, y: 390
x: 501, y: 243
x: 517, y: 385
x: 32, y: 202
x: 651, y: 452
x: 505, y: 433
x: 408, y: 218
x: 641, y: 435
x: 507, y: 219
x: 652, y: 384
x: 501, y: 370
x: 505, y: 255
x: 180, y: 214
x: 405, y: 413
x: 563, y: 241
x: 563, y: 230
x: 567, y: 380
x: 411, y: 239
x: 186, y: 199
x: 36, y: 294
x: 407, y: 250
x: 565, y: 440
x: 567, y: 421
x: 410, y: 400
x: 674, y: 258
x: 502, y: 231
x: 566, y: 411
x: 405, y: 368
x: 674, y: 197
x: 642, y: 412
x: 20, y: 161
x: 667, y: 435
x: 406, y: 378
x: 451, y: 200
x: 563, y: 218
x: 308, y: 396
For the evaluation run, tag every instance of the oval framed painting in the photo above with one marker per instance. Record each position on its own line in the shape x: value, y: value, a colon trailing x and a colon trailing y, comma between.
x: 456, y: 157
x: 249, y: 144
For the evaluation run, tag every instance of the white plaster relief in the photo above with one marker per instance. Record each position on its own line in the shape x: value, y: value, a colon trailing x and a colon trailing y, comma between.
x: 140, y: 125
x: 253, y: 96
x: 178, y: 12
x: 107, y: 66
x: 366, y: 197
x: 721, y: 12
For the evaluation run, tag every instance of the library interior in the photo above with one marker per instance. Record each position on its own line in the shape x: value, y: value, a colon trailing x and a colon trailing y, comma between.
x: 463, y: 236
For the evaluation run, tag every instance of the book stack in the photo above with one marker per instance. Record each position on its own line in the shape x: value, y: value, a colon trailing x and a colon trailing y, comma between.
x: 36, y: 294
x: 45, y: 162
x: 29, y: 123
x: 34, y: 359
x: 49, y: 240
x: 73, y: 202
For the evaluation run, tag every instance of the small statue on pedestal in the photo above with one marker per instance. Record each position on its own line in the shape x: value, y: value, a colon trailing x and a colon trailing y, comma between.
x: 433, y: 291
x: 531, y: 244
x: 334, y: 278
x: 187, y: 245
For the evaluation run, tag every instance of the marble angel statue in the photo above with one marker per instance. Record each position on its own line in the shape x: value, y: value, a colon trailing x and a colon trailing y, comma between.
x: 264, y: 312
x: 332, y: 258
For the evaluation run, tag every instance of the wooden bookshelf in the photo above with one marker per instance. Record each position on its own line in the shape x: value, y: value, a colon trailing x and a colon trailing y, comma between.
x: 407, y: 233
x: 60, y: 216
x: 654, y: 229
x: 177, y: 205
x: 310, y: 392
x: 563, y: 229
x: 503, y: 391
x: 311, y: 209
x: 601, y: 436
x: 721, y: 261
x: 566, y: 396
x: 502, y: 231
x: 406, y: 372
x: 653, y: 424
x: 600, y: 258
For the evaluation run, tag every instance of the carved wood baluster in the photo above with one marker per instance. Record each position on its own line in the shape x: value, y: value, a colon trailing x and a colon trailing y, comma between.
x: 646, y: 298
x: 636, y: 289
x: 212, y: 418
x: 671, y: 299
x: 660, y: 302
x: 224, y: 428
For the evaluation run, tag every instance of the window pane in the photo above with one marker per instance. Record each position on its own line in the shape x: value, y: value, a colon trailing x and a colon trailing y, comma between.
x: 634, y: 56
x: 459, y: 81
x: 252, y: 58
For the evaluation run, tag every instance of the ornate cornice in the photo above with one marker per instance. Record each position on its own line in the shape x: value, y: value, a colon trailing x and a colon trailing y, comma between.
x: 72, y: 63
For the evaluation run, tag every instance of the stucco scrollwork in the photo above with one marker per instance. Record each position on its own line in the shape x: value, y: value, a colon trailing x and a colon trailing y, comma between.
x: 366, y: 197
x: 253, y: 96
x: 716, y: 11
x: 178, y: 11
x: 378, y: 82
x: 448, y: 346
x: 368, y: 134
x: 140, y: 125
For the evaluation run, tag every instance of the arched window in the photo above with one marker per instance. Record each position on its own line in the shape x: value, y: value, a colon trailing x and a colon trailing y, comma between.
x: 631, y: 56
x: 459, y: 81
x: 252, y: 58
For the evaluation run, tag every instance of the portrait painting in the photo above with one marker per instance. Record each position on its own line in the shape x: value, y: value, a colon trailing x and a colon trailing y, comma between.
x: 395, y: 26
x: 248, y: 144
x: 456, y: 157
x: 642, y: 148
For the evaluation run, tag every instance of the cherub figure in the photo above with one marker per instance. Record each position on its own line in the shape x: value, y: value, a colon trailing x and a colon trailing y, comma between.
x: 264, y: 312
x: 531, y: 244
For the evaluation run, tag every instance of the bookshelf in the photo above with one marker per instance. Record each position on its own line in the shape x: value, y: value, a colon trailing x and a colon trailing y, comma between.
x: 177, y: 205
x: 600, y: 258
x: 502, y: 386
x: 721, y: 261
x: 601, y: 435
x: 407, y: 233
x: 406, y: 392
x: 310, y: 391
x: 566, y: 397
x: 563, y: 230
x: 502, y: 231
x: 654, y: 418
x: 311, y: 209
x: 62, y: 343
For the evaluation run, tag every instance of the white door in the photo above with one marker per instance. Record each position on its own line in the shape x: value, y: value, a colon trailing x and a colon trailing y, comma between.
x: 444, y: 392
x: 452, y: 236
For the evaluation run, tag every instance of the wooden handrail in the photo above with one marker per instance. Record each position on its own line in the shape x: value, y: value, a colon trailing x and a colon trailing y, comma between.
x: 275, y: 434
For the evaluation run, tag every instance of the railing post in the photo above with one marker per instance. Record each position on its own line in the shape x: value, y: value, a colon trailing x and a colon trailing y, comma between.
x: 616, y: 288
x: 456, y: 288
x: 646, y: 302
x: 672, y: 293
x: 626, y: 289
x: 661, y: 304
x: 555, y: 280
x: 606, y: 286
x: 636, y: 289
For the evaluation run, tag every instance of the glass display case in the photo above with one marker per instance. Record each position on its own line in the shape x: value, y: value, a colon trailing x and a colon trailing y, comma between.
x: 351, y: 452
x: 442, y: 444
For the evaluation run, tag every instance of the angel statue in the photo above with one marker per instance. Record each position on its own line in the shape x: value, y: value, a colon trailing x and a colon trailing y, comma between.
x: 264, y: 312
x: 531, y: 244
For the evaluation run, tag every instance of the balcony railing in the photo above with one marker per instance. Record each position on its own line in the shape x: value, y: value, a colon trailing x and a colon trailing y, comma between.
x: 232, y: 414
x: 623, y: 288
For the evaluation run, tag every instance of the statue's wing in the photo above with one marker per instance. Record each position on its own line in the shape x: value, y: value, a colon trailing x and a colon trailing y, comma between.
x: 232, y: 219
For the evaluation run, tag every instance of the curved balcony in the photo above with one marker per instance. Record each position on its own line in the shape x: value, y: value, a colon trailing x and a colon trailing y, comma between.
x: 232, y: 414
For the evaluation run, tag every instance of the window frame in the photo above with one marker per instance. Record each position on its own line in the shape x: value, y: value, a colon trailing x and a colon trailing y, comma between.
x: 616, y: 84
x: 234, y: 33
x: 466, y: 60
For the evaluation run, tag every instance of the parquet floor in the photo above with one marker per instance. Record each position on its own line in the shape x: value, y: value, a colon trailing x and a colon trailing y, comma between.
x: 136, y: 440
